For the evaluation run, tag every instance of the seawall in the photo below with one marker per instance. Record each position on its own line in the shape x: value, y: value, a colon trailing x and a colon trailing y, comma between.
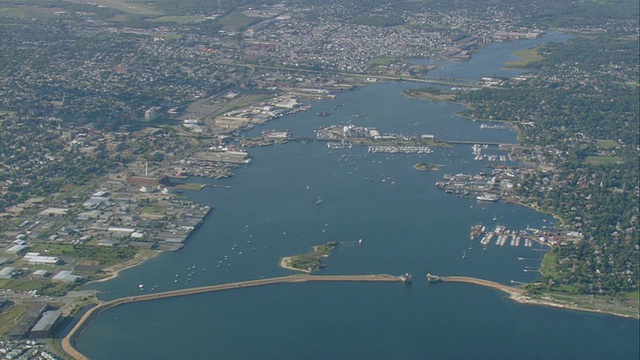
x: 69, y: 340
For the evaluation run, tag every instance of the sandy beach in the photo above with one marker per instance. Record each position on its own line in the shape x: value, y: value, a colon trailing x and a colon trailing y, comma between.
x: 285, y: 263
x: 520, y: 295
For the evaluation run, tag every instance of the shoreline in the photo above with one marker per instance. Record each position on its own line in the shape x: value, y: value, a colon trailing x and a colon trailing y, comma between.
x: 114, y: 270
x: 519, y: 295
x: 285, y: 264
x: 522, y: 300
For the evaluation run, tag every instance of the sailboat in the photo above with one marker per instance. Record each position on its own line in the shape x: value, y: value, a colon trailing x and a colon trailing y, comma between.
x: 319, y: 201
x: 464, y: 254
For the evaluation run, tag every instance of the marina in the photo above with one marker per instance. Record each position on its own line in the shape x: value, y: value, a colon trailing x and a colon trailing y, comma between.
x: 503, y: 235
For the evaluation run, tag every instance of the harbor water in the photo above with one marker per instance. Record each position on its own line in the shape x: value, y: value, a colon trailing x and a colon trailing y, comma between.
x: 389, y: 218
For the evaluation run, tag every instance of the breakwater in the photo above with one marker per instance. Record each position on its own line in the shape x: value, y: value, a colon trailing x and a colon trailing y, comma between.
x: 87, y: 318
x: 512, y: 291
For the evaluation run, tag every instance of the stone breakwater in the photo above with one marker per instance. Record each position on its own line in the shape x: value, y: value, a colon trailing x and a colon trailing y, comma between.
x: 89, y: 316
x: 514, y: 292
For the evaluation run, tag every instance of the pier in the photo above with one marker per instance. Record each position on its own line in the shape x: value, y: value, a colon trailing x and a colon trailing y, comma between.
x: 89, y: 316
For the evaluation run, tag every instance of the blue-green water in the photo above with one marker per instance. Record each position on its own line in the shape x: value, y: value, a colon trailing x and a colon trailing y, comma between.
x: 406, y: 225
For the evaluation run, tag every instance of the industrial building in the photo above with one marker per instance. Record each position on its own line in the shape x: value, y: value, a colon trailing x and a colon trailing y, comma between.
x: 41, y: 273
x: 46, y: 324
x: 7, y: 272
x: 66, y: 276
x: 35, y: 258
x: 15, y: 249
x: 146, y: 180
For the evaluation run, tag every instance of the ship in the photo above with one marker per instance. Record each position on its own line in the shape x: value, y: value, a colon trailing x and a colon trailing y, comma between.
x: 406, y: 278
x: 487, y: 197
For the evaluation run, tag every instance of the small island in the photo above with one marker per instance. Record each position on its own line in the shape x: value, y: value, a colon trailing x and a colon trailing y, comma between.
x: 309, y: 263
x: 422, y: 166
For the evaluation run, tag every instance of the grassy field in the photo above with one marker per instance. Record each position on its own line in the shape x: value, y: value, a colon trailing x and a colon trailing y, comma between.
x: 603, y: 160
x: 445, y: 97
x: 129, y: 7
x: 21, y: 285
x: 548, y: 266
x: 27, y: 11
x: 176, y: 19
x: 105, y: 255
x: 44, y: 287
x: 606, y: 144
x: 236, y: 21
x: 526, y: 56
x: 632, y: 296
x: 10, y: 317
x: 190, y: 186
x: 383, y: 60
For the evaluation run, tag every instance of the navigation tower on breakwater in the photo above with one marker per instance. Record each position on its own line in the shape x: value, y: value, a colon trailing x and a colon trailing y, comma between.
x: 433, y: 278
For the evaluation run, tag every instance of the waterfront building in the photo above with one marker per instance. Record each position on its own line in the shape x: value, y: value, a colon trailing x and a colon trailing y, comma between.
x: 47, y: 322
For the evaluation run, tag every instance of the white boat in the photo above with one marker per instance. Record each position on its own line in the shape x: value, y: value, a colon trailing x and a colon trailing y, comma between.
x: 487, y: 197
